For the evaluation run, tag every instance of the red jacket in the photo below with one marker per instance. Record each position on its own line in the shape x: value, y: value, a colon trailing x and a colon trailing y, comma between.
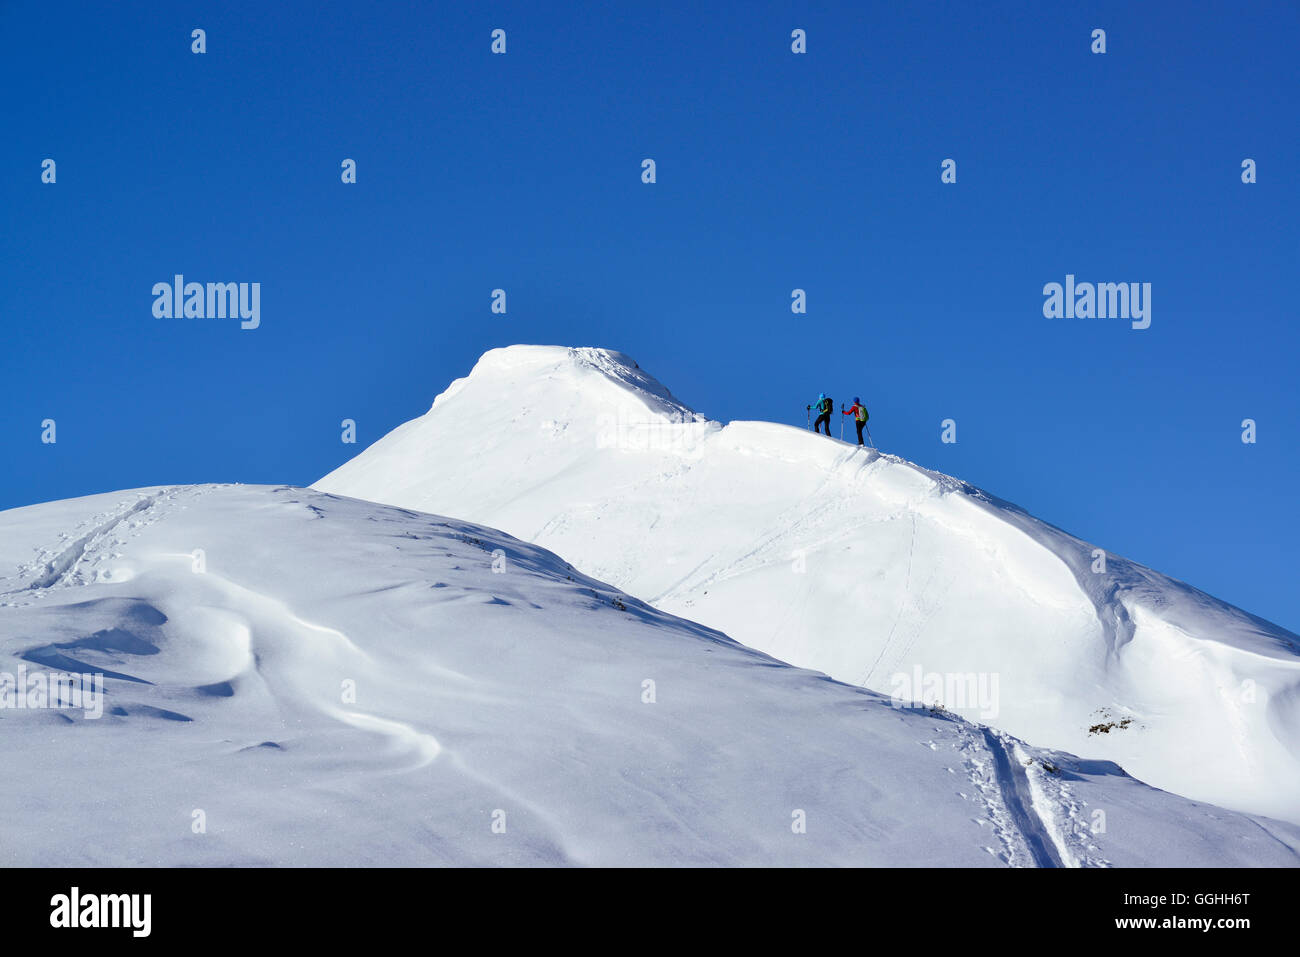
x: 854, y: 409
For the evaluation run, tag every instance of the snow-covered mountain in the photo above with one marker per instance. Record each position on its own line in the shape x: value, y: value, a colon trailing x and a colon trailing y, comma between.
x: 297, y: 678
x: 869, y: 568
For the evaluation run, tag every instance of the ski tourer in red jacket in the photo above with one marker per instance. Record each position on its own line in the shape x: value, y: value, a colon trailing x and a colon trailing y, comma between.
x: 859, y: 413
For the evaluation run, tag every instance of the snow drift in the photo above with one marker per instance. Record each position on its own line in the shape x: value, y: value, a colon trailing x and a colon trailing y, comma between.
x: 300, y: 679
x: 869, y: 568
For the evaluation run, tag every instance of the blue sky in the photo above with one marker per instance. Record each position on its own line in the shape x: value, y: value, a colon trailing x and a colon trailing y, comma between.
x: 775, y: 171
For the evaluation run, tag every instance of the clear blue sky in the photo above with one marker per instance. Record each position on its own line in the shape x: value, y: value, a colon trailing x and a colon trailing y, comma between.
x: 775, y: 171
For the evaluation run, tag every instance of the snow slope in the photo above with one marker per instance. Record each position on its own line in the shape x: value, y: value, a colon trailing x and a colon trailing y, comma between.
x: 862, y: 565
x: 234, y: 621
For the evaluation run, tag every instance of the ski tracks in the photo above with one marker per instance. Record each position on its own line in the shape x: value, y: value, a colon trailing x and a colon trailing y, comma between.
x: 1018, y: 802
x: 907, y: 587
x: 79, y: 557
x: 1017, y: 812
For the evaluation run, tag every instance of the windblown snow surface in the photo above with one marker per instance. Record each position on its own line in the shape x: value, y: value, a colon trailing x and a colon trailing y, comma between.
x: 296, y: 678
x: 859, y: 564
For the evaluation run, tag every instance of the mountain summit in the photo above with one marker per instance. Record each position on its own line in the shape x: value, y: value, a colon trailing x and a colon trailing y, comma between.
x: 872, y: 569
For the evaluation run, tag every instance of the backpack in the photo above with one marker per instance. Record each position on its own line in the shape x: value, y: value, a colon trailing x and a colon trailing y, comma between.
x: 862, y: 413
x: 827, y: 406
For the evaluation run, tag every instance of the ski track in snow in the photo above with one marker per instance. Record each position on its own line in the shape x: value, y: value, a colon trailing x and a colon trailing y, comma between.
x: 1013, y: 785
x: 1048, y: 797
x: 902, y: 600
x: 1017, y: 808
x: 92, y: 543
x: 979, y: 764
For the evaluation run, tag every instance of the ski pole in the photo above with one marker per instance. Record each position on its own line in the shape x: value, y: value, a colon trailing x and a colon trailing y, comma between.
x: 841, y: 421
x: 809, y: 412
x: 868, y: 428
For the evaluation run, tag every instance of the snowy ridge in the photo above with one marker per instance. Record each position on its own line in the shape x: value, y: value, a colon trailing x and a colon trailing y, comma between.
x: 858, y: 564
x: 489, y: 682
